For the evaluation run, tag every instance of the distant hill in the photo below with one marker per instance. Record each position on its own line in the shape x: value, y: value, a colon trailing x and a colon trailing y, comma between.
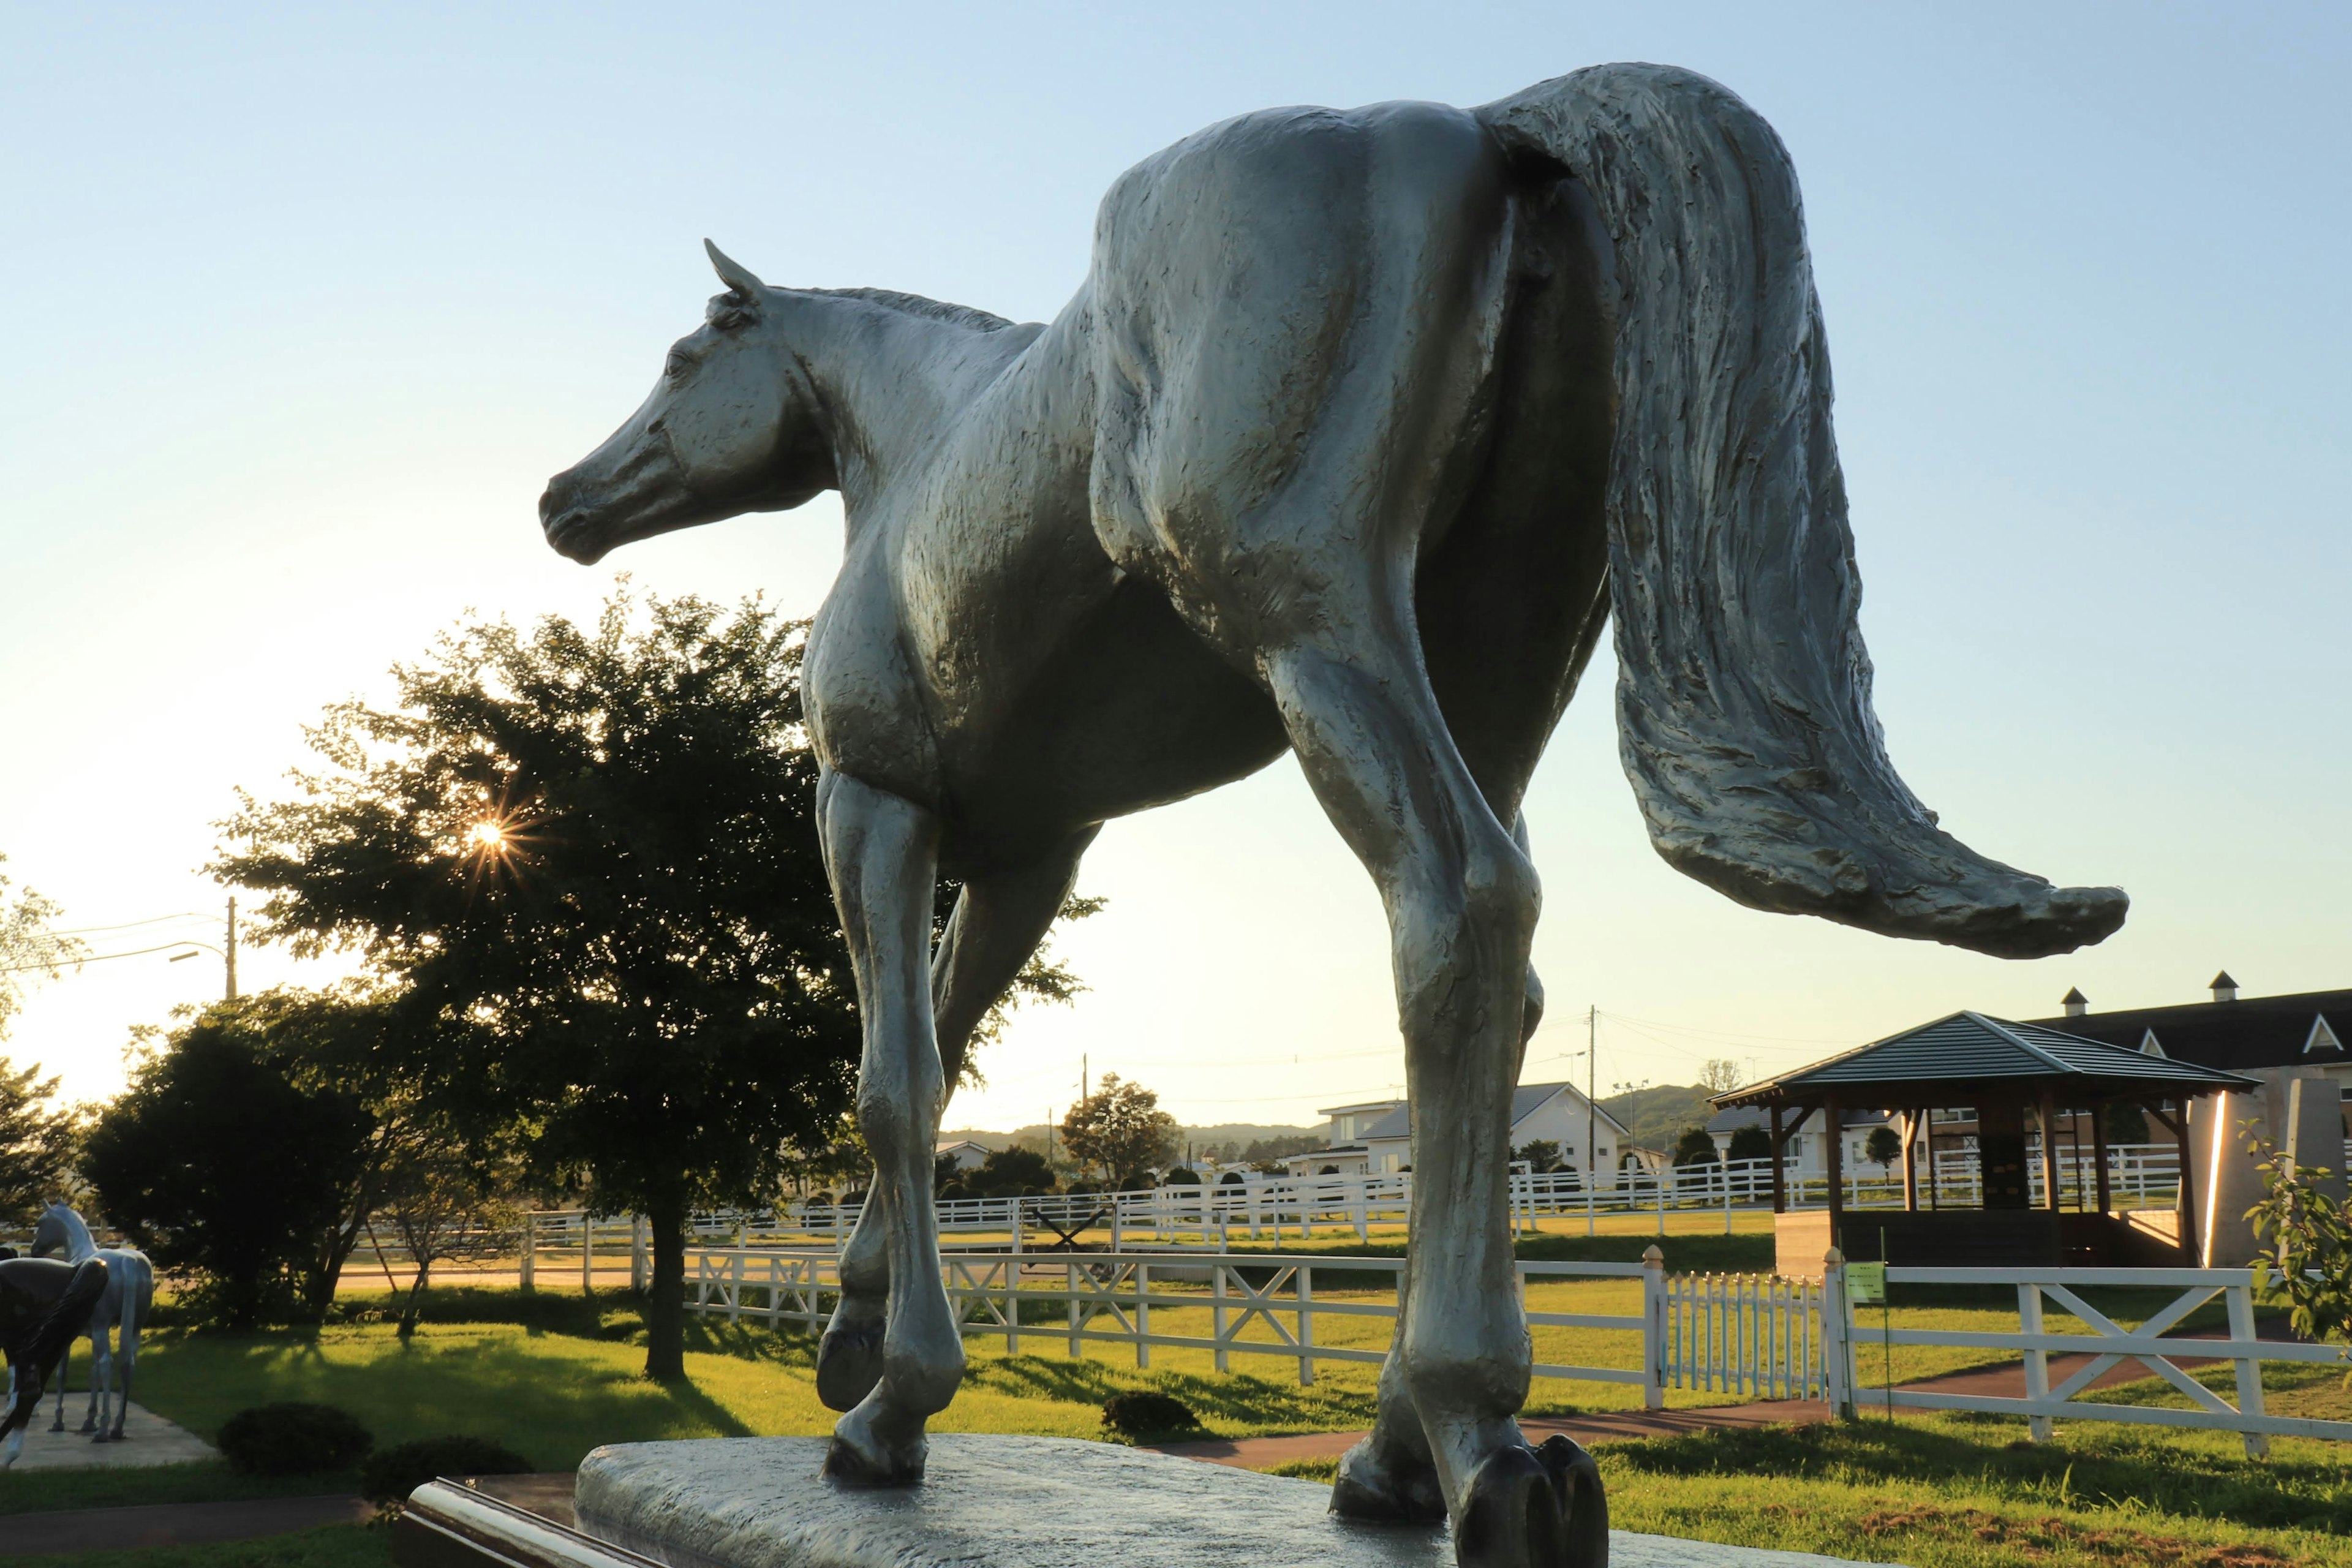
x: 1656, y: 1116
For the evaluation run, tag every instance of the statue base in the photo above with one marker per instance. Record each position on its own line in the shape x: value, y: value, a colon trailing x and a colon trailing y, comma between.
x: 985, y: 1502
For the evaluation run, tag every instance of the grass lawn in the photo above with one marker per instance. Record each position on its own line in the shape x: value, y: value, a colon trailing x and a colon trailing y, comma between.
x: 336, y: 1546
x: 1966, y: 1491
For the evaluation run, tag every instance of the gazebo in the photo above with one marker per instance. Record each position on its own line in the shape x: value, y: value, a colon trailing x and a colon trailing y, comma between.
x: 2003, y: 1072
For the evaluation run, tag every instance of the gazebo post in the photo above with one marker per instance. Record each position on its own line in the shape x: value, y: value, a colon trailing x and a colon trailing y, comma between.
x: 2099, y: 1155
x: 1780, y: 1182
x: 1910, y: 1169
x: 1834, y: 1130
x: 2189, y: 1242
x: 2048, y: 1110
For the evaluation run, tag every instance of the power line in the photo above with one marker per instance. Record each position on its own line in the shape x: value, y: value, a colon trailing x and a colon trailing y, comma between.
x: 128, y: 925
x: 98, y: 958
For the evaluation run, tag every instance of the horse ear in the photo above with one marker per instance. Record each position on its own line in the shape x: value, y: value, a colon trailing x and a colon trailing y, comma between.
x: 734, y: 274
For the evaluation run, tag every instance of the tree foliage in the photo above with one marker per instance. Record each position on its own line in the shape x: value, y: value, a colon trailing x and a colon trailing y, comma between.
x: 1542, y: 1154
x: 1120, y: 1129
x: 31, y: 949
x: 1696, y: 1146
x: 37, y: 1142
x: 589, y: 860
x: 1721, y: 1075
x: 2308, y: 1232
x: 1884, y: 1147
x: 216, y: 1164
x: 1749, y: 1144
x: 1014, y: 1173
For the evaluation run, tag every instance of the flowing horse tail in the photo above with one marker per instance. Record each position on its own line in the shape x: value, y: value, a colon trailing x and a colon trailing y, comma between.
x: 1743, y: 695
x: 67, y: 1319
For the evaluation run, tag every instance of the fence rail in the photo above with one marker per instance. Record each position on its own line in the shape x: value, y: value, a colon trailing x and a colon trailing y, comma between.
x: 1109, y: 1299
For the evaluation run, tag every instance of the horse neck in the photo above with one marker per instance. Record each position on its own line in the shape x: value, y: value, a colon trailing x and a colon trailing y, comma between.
x: 81, y: 1246
x: 893, y: 383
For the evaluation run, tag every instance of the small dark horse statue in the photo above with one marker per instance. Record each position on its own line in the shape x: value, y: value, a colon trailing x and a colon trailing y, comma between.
x: 1362, y: 427
x: 44, y: 1306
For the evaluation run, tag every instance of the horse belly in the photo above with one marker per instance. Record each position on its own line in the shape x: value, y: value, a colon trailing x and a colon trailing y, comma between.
x: 1132, y: 710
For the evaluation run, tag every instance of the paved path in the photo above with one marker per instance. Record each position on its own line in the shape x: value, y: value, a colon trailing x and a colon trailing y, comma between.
x: 171, y: 1524
x: 147, y: 1439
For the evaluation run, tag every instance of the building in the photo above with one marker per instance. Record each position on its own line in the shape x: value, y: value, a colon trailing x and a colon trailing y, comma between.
x: 1806, y: 1153
x: 968, y: 1155
x: 2293, y: 1047
x: 1375, y: 1137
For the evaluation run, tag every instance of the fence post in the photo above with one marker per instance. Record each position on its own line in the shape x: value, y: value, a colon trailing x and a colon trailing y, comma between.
x: 735, y: 1287
x: 587, y: 1251
x: 1727, y: 1199
x: 1070, y: 1283
x: 1217, y: 1315
x: 1837, y: 1335
x: 1653, y: 1328
x: 1142, y: 1315
x: 2250, y: 1373
x: 637, y: 1270
x: 2037, y: 1361
x: 1307, y: 1325
x: 530, y: 1250
x: 1012, y: 1298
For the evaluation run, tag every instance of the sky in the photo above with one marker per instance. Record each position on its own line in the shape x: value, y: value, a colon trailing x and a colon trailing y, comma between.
x: 303, y: 306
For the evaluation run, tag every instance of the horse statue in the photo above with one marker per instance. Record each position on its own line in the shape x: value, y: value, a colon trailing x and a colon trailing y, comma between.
x: 1361, y: 427
x: 44, y: 1306
x: 114, y: 1319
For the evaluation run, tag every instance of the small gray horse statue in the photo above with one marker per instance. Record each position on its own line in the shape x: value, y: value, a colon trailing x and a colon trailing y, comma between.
x: 43, y: 1304
x: 1360, y: 429
x: 114, y: 1319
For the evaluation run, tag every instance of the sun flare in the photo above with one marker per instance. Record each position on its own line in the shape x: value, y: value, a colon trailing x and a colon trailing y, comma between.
x: 487, y: 836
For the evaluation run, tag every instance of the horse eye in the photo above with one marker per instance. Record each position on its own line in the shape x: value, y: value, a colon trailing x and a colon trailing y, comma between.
x: 678, y: 365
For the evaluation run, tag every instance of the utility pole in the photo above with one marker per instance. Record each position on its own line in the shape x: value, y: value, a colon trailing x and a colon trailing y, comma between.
x: 1083, y: 1092
x: 232, y: 947
x: 1592, y: 1106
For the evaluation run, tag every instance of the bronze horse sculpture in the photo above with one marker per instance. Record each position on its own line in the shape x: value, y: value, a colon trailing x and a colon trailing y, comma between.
x: 44, y: 1306
x: 1360, y: 428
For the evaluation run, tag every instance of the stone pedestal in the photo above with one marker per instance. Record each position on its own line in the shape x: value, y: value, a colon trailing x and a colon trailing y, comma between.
x: 988, y: 1503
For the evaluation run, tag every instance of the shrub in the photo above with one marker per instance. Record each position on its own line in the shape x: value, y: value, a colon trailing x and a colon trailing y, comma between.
x: 1144, y: 1414
x: 1182, y: 1176
x: 291, y: 1439
x: 390, y: 1474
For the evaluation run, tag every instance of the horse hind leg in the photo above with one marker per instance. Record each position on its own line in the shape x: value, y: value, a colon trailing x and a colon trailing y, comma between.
x: 127, y: 1357
x: 101, y: 1383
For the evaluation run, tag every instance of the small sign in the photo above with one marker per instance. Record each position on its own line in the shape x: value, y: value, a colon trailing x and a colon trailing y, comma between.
x: 1865, y: 1284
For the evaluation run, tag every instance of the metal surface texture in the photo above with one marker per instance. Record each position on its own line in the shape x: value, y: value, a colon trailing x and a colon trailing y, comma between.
x: 1362, y: 425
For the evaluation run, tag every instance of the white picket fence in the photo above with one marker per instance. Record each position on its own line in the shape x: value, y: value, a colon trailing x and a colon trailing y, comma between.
x: 1739, y: 1335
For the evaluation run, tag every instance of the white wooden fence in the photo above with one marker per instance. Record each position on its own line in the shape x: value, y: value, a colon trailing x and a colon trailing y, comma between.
x: 1739, y: 1335
x: 2109, y: 1344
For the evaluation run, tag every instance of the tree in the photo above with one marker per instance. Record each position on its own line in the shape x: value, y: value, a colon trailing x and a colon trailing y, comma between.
x: 2126, y: 1122
x: 1749, y: 1143
x: 2308, y: 1232
x: 1882, y: 1148
x: 444, y: 1208
x: 1120, y: 1129
x: 30, y: 949
x: 1695, y: 1147
x: 1721, y: 1075
x: 214, y: 1162
x: 1542, y: 1154
x: 589, y: 860
x: 1014, y: 1173
x: 35, y: 1142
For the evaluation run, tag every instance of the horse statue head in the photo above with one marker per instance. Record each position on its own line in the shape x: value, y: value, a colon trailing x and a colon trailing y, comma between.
x: 732, y: 426
x: 58, y: 1230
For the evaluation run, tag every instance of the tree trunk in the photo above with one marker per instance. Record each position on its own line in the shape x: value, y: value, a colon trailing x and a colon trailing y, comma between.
x: 666, y: 1305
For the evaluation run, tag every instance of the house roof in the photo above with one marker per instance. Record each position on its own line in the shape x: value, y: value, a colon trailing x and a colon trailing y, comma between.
x: 1967, y: 1048
x: 1525, y: 1102
x: 2252, y: 1032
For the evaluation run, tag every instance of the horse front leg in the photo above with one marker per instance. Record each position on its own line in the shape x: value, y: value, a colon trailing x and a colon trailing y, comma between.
x: 102, y: 1379
x: 882, y: 855
x: 65, y: 1364
x: 849, y: 1357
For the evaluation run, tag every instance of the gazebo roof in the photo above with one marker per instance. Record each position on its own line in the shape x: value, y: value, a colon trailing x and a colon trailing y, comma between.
x: 1970, y: 1049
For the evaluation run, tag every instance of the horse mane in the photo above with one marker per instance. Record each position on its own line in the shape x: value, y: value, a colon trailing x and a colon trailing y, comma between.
x: 917, y: 305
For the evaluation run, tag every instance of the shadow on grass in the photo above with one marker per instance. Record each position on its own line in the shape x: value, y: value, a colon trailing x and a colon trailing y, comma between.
x: 1235, y: 1399
x: 2087, y: 1466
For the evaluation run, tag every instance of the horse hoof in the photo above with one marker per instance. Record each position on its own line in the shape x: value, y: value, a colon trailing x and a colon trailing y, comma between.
x: 1511, y: 1518
x: 1367, y: 1488
x: 1583, y: 1505
x: 103, y: 1437
x: 855, y: 1458
x: 849, y: 1364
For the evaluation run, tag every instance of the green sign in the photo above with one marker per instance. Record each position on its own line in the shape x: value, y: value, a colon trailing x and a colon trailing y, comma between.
x: 1865, y: 1284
